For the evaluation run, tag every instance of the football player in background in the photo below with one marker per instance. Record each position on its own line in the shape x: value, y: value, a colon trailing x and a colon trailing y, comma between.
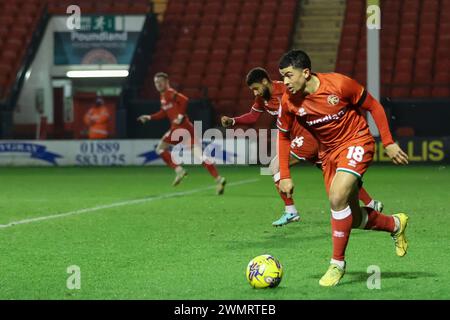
x: 174, y: 107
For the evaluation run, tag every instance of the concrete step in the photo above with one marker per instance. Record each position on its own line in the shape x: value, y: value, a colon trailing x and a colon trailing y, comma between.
x: 313, y: 11
x: 324, y: 3
x: 318, y: 37
x: 308, y: 47
x: 320, y: 22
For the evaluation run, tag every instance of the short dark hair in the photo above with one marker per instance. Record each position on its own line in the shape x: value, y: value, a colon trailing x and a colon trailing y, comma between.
x: 162, y: 75
x: 295, y: 58
x: 256, y: 75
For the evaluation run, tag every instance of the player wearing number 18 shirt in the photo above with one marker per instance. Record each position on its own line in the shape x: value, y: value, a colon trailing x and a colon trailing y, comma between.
x: 303, y: 145
x: 330, y: 106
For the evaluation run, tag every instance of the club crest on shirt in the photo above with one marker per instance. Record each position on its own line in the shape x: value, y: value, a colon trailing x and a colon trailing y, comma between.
x: 333, y: 99
x: 301, y: 112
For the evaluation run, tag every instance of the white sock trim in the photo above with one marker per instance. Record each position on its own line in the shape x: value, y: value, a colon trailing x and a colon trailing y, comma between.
x: 397, y: 224
x: 276, y: 177
x: 339, y: 263
x: 371, y: 204
x: 290, y: 209
x: 364, y: 218
x: 341, y: 215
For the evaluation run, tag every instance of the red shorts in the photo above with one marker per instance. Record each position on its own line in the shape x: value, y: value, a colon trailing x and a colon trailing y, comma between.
x: 303, y: 144
x: 183, y: 133
x: 353, y: 157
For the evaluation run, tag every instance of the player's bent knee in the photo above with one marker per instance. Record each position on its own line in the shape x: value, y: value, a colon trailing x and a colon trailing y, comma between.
x: 338, y: 200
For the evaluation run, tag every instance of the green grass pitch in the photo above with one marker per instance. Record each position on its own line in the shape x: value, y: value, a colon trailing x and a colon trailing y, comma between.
x: 196, y: 245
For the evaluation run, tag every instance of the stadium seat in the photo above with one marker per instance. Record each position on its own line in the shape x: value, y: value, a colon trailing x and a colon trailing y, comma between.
x: 231, y: 80
x: 212, y: 9
x: 216, y: 67
x: 261, y: 42
x: 420, y: 92
x: 225, y: 39
x: 269, y: 7
x: 225, y: 30
x: 208, y: 20
x: 195, y: 67
x: 192, y: 80
x: 193, y: 7
x: 243, y: 31
x: 200, y: 55
x: 400, y: 92
x: 222, y: 43
x: 193, y: 93
x: 266, y: 19
x: 184, y: 44
x: 175, y: 7
x: 203, y: 43
x: 205, y: 30
x: 218, y: 55
x: 235, y: 67
x: 228, y: 20
x: 441, y: 92
x: 211, y: 80
x: 228, y: 93
x: 241, y: 43
x: 177, y: 67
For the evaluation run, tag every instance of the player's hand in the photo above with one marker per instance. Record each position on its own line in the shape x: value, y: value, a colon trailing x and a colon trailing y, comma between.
x: 144, y: 118
x: 396, y: 154
x: 227, y: 121
x: 286, y: 186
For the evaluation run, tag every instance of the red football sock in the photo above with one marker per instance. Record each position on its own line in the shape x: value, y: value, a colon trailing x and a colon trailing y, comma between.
x: 211, y: 169
x: 364, y: 196
x: 378, y: 221
x: 287, y: 201
x: 165, y: 155
x: 341, y: 226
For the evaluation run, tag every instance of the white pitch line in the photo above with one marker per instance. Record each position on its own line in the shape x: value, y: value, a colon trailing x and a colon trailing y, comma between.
x: 119, y: 204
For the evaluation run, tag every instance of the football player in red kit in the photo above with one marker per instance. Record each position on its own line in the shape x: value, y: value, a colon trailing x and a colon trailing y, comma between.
x: 174, y: 107
x: 331, y: 106
x: 303, y: 145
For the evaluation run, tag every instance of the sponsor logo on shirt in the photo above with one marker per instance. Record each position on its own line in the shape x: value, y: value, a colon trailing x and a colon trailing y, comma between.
x: 328, y: 118
x: 333, y: 99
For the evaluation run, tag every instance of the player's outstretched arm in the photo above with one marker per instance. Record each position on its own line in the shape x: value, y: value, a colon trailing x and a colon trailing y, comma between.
x: 393, y: 150
x: 246, y: 119
x: 155, y: 116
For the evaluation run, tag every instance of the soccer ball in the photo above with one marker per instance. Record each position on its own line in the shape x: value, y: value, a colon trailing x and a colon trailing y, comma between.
x: 264, y: 271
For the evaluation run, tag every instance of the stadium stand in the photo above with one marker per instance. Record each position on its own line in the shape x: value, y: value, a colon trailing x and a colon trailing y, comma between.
x: 210, y: 50
x: 414, y: 52
x: 19, y: 20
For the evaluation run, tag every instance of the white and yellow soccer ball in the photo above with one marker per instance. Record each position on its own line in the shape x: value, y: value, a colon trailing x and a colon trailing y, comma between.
x: 264, y: 271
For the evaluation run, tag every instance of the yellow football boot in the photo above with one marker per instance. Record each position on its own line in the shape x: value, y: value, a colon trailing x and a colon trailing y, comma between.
x: 332, y: 276
x: 401, y: 244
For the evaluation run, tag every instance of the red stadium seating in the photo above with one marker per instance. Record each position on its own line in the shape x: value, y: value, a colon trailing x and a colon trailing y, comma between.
x: 414, y: 47
x: 228, y: 38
